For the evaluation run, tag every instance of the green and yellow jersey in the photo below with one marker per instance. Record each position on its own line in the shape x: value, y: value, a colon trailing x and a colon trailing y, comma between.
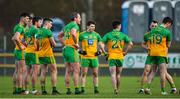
x: 89, y: 42
x: 43, y: 37
x: 115, y: 41
x: 147, y: 43
x: 19, y: 28
x: 68, y: 36
x: 30, y: 39
x: 157, y: 41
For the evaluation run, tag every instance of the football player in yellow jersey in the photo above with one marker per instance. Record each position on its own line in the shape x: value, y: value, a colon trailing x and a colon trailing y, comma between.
x: 28, y: 70
x: 160, y: 38
x: 90, y: 40
x: 151, y: 69
x: 70, y: 39
x: 19, y: 53
x: 31, y: 57
x: 46, y: 57
x: 115, y: 41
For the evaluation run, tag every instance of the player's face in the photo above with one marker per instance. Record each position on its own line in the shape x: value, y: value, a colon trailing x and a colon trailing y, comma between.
x: 119, y: 27
x: 168, y: 25
x: 153, y: 25
x: 78, y: 19
x: 30, y: 22
x: 91, y: 27
x: 49, y: 24
x: 39, y: 23
x: 26, y: 20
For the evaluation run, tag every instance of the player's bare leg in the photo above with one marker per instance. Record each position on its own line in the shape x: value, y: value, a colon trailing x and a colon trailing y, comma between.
x: 163, y: 71
x: 15, y: 84
x: 150, y: 78
x: 44, y: 69
x: 152, y: 74
x: 27, y: 78
x: 35, y: 72
x: 68, y: 77
x: 53, y: 68
x: 20, y: 75
x: 84, y: 71
x: 118, y: 76
x: 95, y: 80
x: 113, y: 78
x: 76, y: 71
x: 24, y: 71
x: 146, y: 71
x: 171, y: 82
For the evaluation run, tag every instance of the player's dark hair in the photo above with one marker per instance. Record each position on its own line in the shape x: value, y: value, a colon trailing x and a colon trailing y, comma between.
x: 167, y: 20
x: 74, y: 15
x: 154, y: 21
x: 24, y: 14
x: 36, y: 19
x: 47, y: 20
x: 91, y: 22
x: 115, y: 24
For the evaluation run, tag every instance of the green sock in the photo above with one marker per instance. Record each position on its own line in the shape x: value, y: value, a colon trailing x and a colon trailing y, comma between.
x: 43, y: 88
x: 14, y: 88
x: 68, y: 89
x: 54, y: 88
x: 33, y: 88
x: 19, y: 89
x: 173, y: 86
x: 95, y: 88
x: 82, y: 88
x: 76, y: 88
x: 148, y: 85
x: 162, y: 89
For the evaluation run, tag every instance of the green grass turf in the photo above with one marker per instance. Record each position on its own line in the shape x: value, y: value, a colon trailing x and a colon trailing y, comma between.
x: 128, y: 89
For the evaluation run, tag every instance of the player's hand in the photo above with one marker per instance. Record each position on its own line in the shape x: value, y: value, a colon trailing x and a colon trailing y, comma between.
x: 82, y: 52
x: 22, y: 47
x: 76, y: 46
x: 124, y: 53
x: 98, y: 53
x: 106, y: 55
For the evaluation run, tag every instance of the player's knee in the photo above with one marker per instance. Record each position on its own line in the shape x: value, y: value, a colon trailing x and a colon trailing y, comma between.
x: 53, y: 68
x: 84, y: 74
x: 76, y: 70
x: 146, y: 72
x: 67, y: 80
x: 95, y: 74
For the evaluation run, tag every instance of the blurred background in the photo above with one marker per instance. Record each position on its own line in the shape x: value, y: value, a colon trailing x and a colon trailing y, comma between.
x: 135, y: 16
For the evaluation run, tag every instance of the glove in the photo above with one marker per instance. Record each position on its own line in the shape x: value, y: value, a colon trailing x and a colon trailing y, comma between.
x: 97, y: 53
x: 106, y: 56
x: 82, y: 52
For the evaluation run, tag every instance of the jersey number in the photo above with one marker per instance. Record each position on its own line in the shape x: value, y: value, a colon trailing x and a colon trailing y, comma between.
x: 155, y: 39
x: 115, y: 44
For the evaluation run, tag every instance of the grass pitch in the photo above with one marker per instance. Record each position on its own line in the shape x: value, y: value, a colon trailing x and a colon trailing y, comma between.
x: 128, y: 89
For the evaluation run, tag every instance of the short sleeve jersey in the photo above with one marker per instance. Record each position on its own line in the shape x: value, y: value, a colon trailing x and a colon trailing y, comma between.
x: 115, y: 41
x: 157, y: 40
x: 30, y: 39
x: 68, y: 36
x: 19, y: 28
x: 43, y: 37
x: 89, y: 42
